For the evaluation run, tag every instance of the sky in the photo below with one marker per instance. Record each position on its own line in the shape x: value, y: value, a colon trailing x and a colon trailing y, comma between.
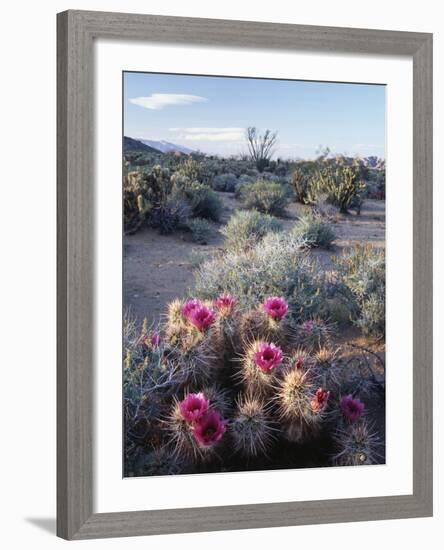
x: 210, y: 114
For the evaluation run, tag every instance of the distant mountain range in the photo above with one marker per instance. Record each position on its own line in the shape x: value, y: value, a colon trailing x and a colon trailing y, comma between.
x: 130, y: 144
x: 166, y: 146
x: 153, y: 146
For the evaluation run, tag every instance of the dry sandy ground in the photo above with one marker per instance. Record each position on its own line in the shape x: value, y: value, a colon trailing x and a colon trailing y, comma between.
x: 159, y: 268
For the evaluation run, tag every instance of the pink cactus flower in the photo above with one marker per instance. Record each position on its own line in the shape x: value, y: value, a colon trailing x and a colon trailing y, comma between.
x: 320, y: 400
x: 225, y: 303
x: 202, y: 317
x: 193, y: 407
x: 351, y: 408
x: 308, y: 326
x: 276, y: 307
x: 267, y: 356
x: 299, y: 363
x: 189, y: 306
x: 155, y: 339
x: 209, y: 429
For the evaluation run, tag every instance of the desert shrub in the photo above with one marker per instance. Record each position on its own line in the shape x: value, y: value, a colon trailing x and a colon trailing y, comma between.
x: 266, y: 197
x: 200, y: 230
x: 246, y: 228
x: 314, y: 231
x: 225, y: 182
x: 203, y: 201
x: 361, y: 271
x: 277, y: 266
x: 169, y: 216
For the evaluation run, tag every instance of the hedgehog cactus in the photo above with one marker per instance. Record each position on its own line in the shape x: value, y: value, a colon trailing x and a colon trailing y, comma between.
x: 314, y: 333
x: 251, y: 428
x: 301, y: 404
x: 258, y: 324
x: 259, y: 366
x: 357, y: 445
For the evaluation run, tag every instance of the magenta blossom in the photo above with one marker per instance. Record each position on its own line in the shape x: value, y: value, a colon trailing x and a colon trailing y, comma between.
x: 320, y: 400
x: 276, y: 307
x: 267, y: 356
x: 155, y: 339
x: 351, y: 408
x: 189, y: 306
x: 193, y: 407
x: 299, y: 362
x: 225, y: 303
x: 308, y: 326
x: 209, y: 429
x: 202, y: 317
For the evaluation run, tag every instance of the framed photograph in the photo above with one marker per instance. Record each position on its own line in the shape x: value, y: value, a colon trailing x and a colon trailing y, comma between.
x: 244, y: 275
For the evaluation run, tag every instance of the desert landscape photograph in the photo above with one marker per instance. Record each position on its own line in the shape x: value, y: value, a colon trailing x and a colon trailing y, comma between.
x: 253, y: 274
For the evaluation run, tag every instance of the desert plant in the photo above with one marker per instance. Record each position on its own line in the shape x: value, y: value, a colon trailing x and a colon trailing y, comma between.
x: 203, y: 201
x: 260, y: 146
x: 200, y: 230
x: 301, y: 181
x: 224, y: 182
x: 342, y: 184
x: 357, y: 444
x: 302, y: 404
x: 314, y: 231
x: 276, y: 266
x: 361, y: 271
x: 259, y: 365
x: 251, y: 428
x: 265, y: 196
x: 246, y: 228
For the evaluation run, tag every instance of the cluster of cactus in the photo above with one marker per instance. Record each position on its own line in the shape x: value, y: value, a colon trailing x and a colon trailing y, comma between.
x: 342, y: 184
x: 217, y: 387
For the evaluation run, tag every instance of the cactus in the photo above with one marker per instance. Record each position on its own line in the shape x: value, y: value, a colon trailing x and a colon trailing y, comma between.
x: 357, y: 444
x: 251, y: 428
x: 258, y: 367
x: 296, y: 397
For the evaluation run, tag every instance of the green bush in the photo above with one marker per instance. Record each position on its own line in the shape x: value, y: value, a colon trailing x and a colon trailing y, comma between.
x: 200, y: 230
x: 277, y: 266
x: 203, y: 201
x: 246, y: 228
x: 314, y: 231
x: 265, y: 196
x: 225, y: 182
x: 361, y: 272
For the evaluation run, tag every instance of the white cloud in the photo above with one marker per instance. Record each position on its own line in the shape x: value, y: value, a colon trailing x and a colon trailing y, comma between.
x: 159, y: 101
x: 210, y: 134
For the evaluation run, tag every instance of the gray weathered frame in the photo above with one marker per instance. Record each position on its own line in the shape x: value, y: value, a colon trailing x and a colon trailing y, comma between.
x: 76, y: 32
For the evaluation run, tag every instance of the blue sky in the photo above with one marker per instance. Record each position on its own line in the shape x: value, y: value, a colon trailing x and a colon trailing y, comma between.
x: 210, y: 114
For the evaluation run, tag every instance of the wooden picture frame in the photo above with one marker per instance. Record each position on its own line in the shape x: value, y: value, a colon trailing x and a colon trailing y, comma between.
x: 77, y: 31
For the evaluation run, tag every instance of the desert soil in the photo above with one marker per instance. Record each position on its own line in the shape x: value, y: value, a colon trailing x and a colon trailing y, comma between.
x: 159, y: 268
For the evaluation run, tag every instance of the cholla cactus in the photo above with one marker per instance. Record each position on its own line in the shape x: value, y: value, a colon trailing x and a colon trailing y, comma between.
x: 251, y: 428
x: 302, y: 404
x: 259, y: 366
x: 357, y: 444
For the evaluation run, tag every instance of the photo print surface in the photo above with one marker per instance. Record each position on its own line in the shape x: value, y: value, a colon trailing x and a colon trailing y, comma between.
x: 253, y: 274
